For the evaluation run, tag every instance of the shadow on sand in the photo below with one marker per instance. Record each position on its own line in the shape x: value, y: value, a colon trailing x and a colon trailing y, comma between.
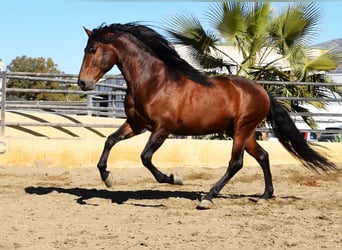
x: 118, y: 197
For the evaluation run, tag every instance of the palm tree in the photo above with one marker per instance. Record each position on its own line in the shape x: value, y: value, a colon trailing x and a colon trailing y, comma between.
x: 256, y: 32
x: 242, y: 24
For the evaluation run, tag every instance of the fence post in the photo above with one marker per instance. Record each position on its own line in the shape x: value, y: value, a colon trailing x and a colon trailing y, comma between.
x: 90, y: 104
x: 3, y: 103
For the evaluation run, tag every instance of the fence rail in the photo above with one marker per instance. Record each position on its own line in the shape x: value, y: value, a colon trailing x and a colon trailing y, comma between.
x: 107, y: 100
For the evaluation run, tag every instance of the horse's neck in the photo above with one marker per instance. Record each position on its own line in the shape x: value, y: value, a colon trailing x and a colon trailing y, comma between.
x: 134, y: 62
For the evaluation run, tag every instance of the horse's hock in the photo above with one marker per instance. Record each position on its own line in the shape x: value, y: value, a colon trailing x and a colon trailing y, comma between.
x: 19, y: 148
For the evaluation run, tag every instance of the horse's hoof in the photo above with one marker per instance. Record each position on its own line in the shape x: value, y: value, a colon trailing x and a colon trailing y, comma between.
x: 262, y: 201
x: 109, y: 181
x: 204, y: 204
x: 177, y: 180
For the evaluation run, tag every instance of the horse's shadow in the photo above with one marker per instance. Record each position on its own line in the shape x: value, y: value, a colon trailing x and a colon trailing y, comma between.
x: 118, y: 197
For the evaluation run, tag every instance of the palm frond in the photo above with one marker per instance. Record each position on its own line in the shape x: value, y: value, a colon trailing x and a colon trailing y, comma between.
x: 187, y: 30
x: 228, y: 18
x: 296, y: 26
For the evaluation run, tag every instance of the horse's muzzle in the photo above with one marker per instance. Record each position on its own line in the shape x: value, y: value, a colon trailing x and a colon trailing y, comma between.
x: 86, y: 85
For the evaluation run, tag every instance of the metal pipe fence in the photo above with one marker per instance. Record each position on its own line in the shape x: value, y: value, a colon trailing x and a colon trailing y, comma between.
x: 108, y: 100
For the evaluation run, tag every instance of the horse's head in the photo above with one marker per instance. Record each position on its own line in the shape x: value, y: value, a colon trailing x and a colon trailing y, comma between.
x: 99, y: 58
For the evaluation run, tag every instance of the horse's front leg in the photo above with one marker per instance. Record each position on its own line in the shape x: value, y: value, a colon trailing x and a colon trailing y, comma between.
x: 235, y: 164
x: 155, y: 141
x: 124, y: 132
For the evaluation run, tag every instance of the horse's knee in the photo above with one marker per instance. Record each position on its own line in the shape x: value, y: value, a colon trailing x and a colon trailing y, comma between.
x: 109, y: 143
x: 235, y: 166
x: 146, y: 158
x: 263, y: 156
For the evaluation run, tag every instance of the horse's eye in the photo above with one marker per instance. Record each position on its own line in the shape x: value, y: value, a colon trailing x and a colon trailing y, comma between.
x: 92, y: 50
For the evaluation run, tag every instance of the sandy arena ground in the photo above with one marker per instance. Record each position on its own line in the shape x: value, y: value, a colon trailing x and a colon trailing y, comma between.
x: 60, y: 208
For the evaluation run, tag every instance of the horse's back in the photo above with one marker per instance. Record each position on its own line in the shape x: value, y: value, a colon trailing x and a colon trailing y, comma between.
x: 238, y: 83
x: 243, y: 92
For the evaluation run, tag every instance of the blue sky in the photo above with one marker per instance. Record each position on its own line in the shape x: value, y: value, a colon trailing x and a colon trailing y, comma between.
x: 51, y: 28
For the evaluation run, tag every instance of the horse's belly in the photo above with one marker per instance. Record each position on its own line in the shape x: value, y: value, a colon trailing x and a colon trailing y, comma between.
x: 203, y: 126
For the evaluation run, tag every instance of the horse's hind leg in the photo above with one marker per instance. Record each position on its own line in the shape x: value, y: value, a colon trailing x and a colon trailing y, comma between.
x: 155, y: 141
x: 124, y: 132
x: 255, y: 150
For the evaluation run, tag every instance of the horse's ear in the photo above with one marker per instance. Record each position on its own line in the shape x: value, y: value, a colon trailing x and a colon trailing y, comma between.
x: 87, y: 31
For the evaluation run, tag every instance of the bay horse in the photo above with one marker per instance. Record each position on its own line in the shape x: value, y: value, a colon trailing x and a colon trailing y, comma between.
x: 166, y: 95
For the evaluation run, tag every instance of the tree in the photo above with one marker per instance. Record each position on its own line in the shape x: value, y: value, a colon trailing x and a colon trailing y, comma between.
x: 256, y: 32
x: 37, y: 65
x: 242, y: 24
x: 29, y: 64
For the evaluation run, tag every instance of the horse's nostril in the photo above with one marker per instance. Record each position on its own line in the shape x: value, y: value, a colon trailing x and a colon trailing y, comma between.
x: 86, y: 85
x: 81, y: 83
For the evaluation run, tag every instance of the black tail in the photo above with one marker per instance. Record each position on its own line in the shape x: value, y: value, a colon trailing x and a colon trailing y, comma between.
x: 291, y: 138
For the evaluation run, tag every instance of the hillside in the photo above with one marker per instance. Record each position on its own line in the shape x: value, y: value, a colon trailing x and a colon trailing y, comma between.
x: 335, y: 44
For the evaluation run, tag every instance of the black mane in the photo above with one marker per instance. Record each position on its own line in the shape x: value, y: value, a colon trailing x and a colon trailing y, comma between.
x: 158, y: 44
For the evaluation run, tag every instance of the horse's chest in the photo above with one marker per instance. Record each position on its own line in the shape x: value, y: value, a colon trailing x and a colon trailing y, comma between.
x: 135, y: 111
